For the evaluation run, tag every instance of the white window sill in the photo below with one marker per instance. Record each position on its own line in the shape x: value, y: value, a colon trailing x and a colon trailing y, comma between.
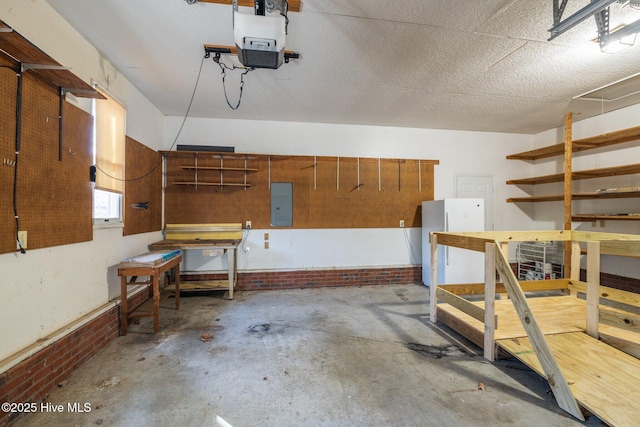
x: 99, y: 224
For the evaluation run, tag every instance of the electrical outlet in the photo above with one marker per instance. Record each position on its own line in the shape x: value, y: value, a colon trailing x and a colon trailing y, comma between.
x: 266, y: 245
x: 22, y: 237
x: 402, y: 223
x: 247, y: 225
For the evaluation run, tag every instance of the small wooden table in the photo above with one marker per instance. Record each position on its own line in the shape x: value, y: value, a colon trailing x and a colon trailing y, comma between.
x: 135, y: 269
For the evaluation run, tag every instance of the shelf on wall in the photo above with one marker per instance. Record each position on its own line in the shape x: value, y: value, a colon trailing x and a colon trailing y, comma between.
x: 579, y: 196
x: 598, y: 217
x: 219, y: 184
x: 577, y: 175
x: 20, y: 52
x: 219, y: 168
x: 610, y: 138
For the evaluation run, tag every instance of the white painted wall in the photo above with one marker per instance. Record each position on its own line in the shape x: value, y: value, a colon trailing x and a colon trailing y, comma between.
x: 458, y: 152
x: 48, y: 288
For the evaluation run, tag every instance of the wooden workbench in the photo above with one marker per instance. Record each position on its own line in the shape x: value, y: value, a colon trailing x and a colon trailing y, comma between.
x: 228, y: 246
x: 153, y: 269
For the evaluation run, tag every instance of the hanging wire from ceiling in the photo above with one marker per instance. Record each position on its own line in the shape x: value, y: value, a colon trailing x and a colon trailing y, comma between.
x: 223, y: 70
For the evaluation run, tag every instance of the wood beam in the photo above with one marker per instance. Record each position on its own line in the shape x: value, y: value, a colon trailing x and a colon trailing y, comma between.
x: 490, y: 301
x: 593, y: 288
x: 433, y: 298
x: 557, y: 381
x: 294, y: 5
x: 568, y: 180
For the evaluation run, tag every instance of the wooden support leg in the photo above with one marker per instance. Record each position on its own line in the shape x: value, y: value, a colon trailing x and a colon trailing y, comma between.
x: 489, y: 301
x: 231, y: 267
x: 593, y: 289
x: 433, y: 298
x: 156, y: 302
x: 176, y: 294
x: 124, y: 309
x: 575, y: 265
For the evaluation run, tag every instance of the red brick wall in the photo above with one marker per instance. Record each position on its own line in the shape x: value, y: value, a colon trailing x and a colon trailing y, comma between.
x: 31, y: 380
x: 319, y: 278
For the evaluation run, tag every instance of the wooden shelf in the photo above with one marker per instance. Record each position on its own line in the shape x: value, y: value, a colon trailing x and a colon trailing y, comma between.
x: 212, y: 184
x: 603, y: 140
x: 525, y: 199
x: 577, y: 175
x: 580, y: 196
x: 598, y: 217
x: 219, y: 168
x: 21, y: 52
x: 546, y: 179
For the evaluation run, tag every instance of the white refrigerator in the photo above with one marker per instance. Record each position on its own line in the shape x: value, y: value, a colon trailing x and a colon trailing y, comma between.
x: 455, y: 265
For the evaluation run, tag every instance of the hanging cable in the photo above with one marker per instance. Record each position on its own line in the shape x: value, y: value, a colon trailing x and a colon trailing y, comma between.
x: 15, y: 163
x: 186, y: 114
x: 223, y: 70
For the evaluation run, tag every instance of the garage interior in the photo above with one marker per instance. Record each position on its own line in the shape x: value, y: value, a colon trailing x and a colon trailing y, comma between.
x: 219, y: 212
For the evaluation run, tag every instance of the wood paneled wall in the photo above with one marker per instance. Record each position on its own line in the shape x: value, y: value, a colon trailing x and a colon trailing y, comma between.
x: 53, y: 195
x: 328, y: 192
x: 143, y: 174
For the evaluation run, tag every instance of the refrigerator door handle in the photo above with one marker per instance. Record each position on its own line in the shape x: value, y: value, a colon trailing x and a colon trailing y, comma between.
x: 446, y: 228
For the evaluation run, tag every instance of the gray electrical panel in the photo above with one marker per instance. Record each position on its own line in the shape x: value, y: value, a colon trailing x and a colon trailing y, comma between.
x: 281, y: 204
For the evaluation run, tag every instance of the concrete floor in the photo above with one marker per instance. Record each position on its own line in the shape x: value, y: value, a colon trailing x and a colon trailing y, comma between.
x: 312, y: 357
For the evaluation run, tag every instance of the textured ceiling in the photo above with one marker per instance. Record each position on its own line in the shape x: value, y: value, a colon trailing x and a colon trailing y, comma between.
x: 446, y: 64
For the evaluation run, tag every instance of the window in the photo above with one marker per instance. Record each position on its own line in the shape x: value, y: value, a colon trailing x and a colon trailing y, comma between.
x: 109, y: 144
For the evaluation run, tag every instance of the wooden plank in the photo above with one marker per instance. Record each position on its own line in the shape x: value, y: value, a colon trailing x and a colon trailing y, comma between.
x: 604, y: 380
x: 22, y: 51
x: 199, y: 285
x: 603, y: 140
x: 606, y: 139
x: 294, y: 5
x: 578, y: 175
x: 481, y: 237
x: 587, y: 236
x: 593, y: 285
x: 556, y: 380
x: 490, y: 322
x: 539, y: 153
x: 555, y: 315
x: 433, y: 300
x: 623, y: 320
x: 549, y: 198
x: 527, y: 286
x: 461, y: 304
x: 617, y: 295
x: 567, y: 189
x: 233, y: 50
x: 544, y: 179
x: 621, y: 339
x: 604, y: 217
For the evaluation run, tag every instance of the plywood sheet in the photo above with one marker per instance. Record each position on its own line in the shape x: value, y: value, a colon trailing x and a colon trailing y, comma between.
x: 554, y: 315
x: 604, y: 380
x: 143, y: 175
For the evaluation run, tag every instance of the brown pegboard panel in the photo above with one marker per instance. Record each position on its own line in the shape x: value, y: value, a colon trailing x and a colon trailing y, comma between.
x: 328, y: 192
x: 54, y: 196
x: 143, y: 183
x: 8, y: 85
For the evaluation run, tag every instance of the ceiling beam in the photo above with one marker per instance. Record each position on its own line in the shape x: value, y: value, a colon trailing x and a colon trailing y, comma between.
x: 294, y: 5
